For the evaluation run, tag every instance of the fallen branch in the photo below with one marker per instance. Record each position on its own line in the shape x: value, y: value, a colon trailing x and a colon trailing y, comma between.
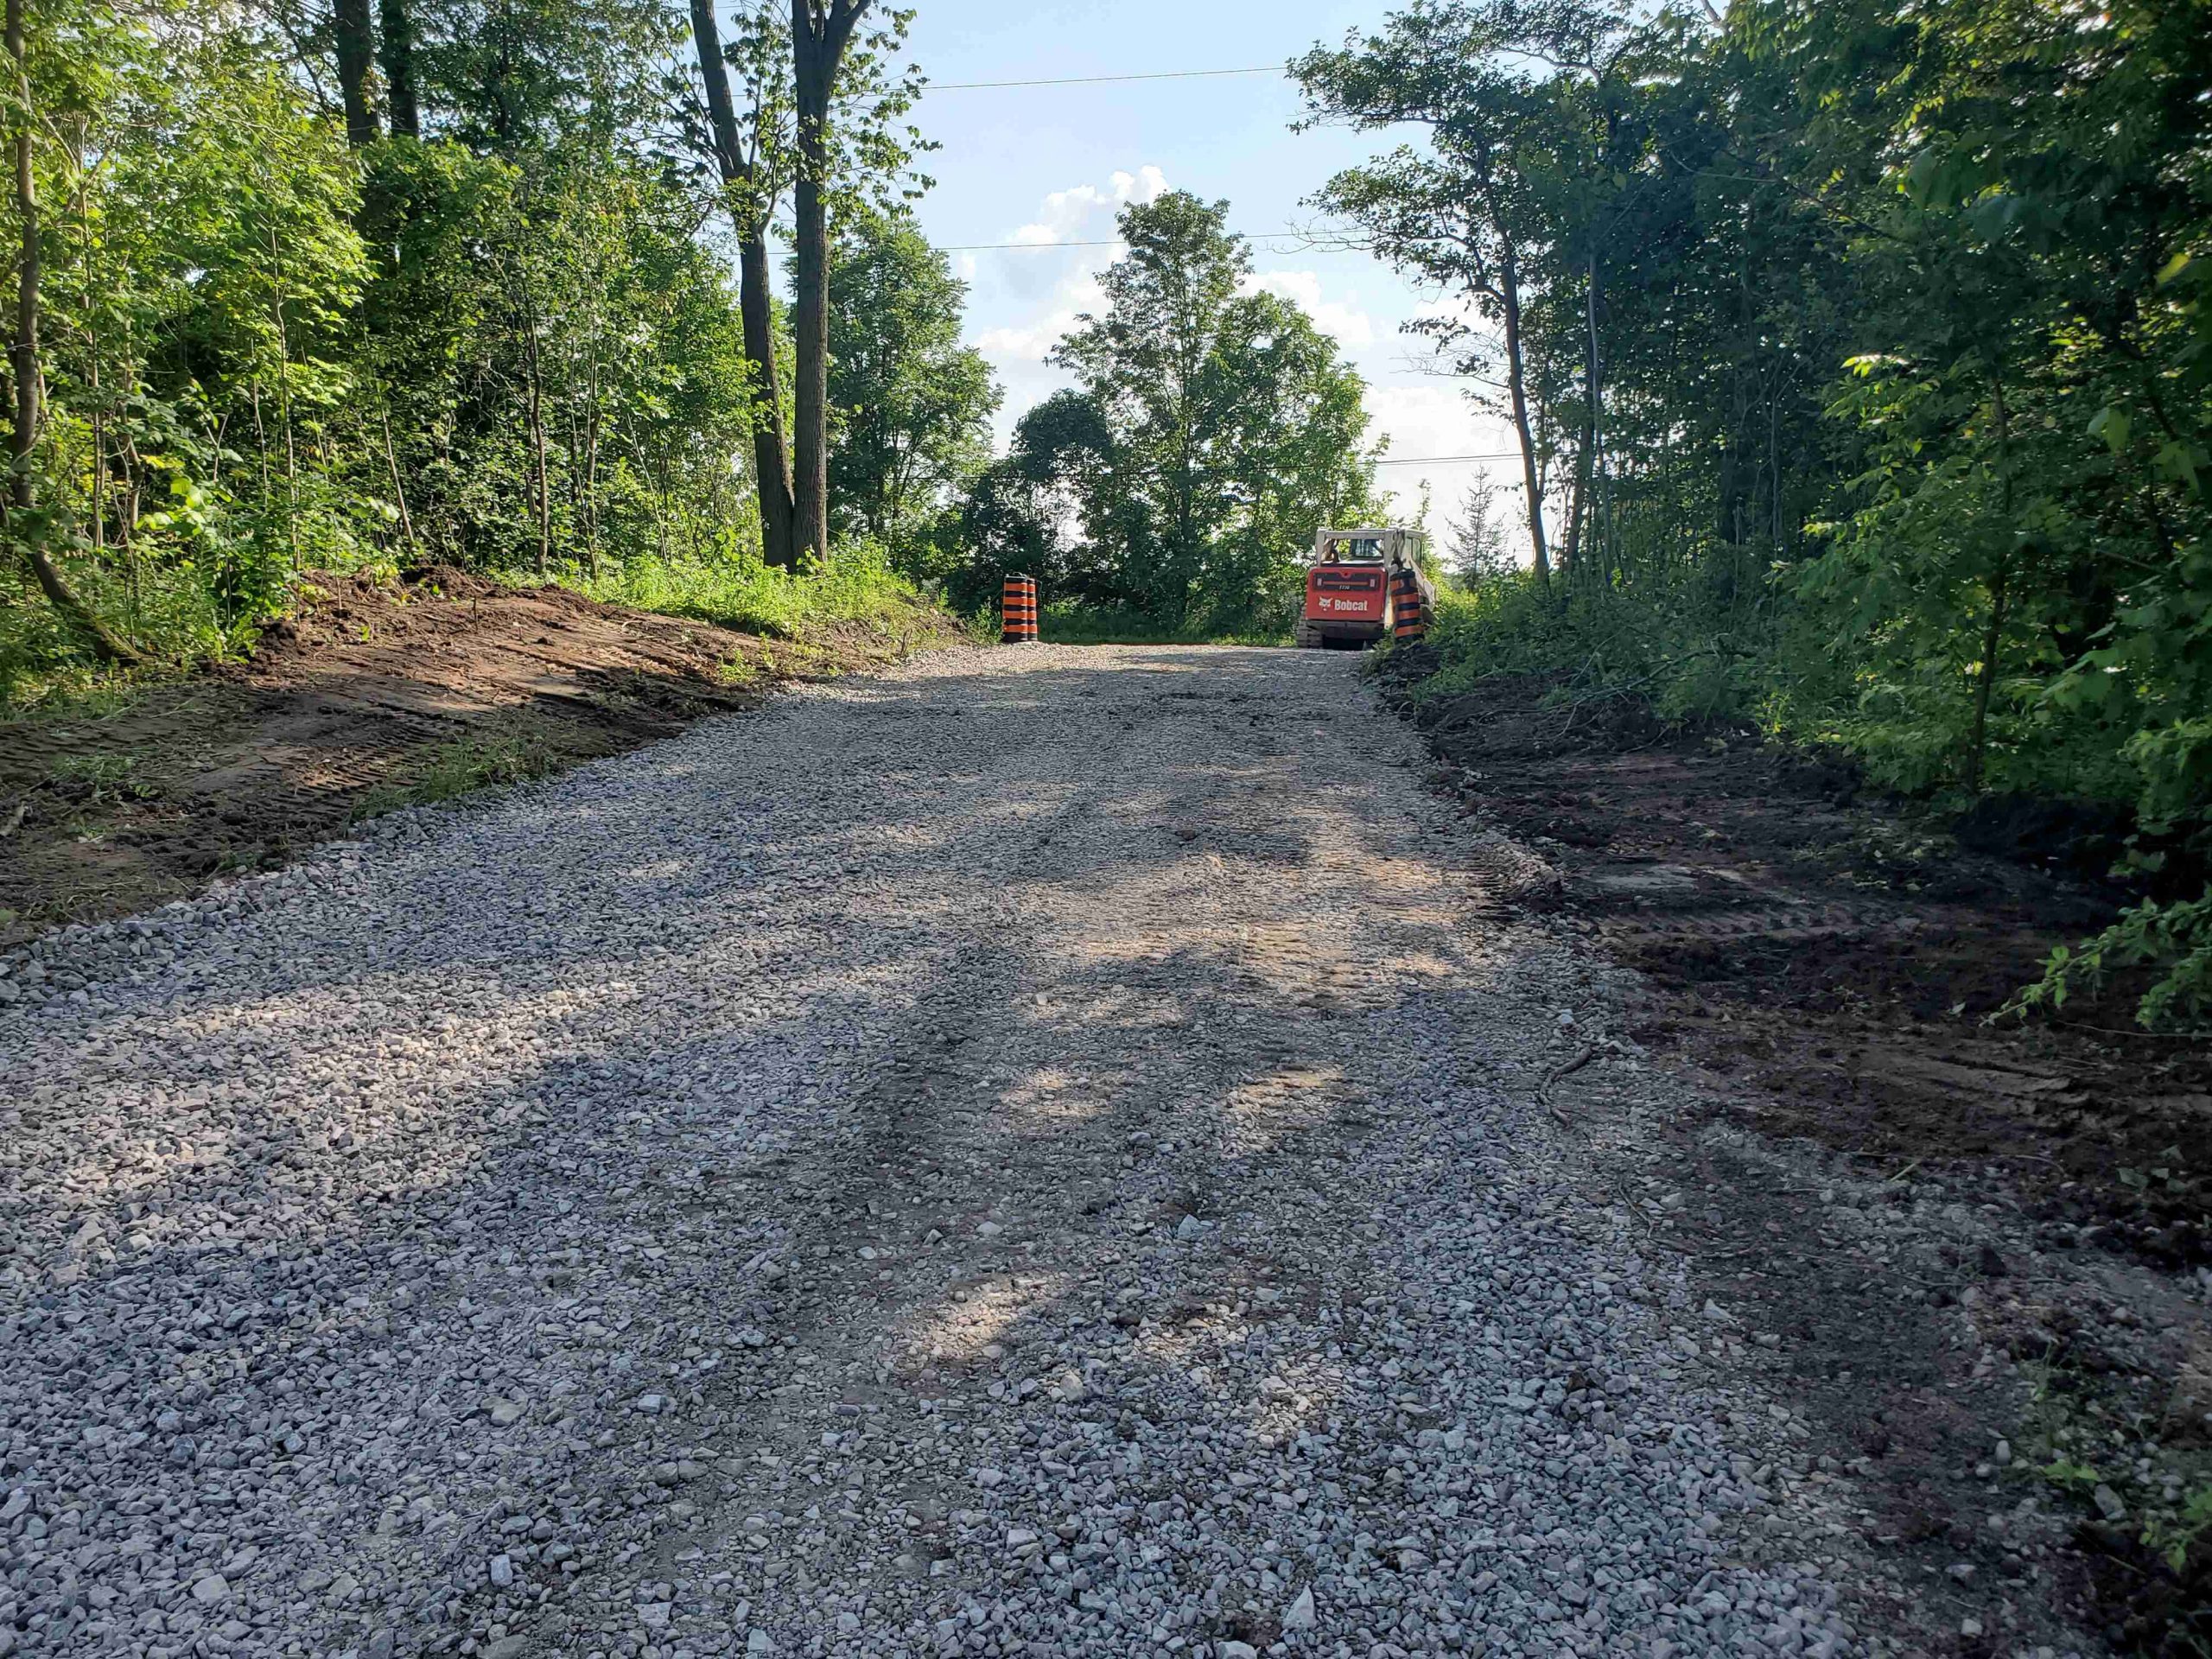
x: 1544, y: 1088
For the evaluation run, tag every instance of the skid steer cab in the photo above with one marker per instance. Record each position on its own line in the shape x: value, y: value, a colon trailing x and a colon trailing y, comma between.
x: 1364, y: 585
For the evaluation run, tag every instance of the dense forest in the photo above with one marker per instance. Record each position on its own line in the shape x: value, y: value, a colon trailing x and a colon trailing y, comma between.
x: 463, y: 282
x: 1859, y: 363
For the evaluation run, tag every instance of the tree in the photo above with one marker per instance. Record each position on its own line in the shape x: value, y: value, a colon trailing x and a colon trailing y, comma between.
x: 751, y: 157
x: 912, y: 406
x: 1490, y: 206
x: 354, y: 37
x: 1866, y: 346
x: 396, y: 56
x: 1232, y: 428
x: 1477, y: 551
x: 512, y: 77
x: 778, y: 138
x: 21, y: 522
x: 1025, y: 510
x: 822, y: 30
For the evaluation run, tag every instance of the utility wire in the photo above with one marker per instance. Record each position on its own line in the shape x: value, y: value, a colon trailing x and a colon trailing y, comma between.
x: 1096, y: 80
x: 1109, y: 242
x: 977, y: 247
x: 1432, y: 461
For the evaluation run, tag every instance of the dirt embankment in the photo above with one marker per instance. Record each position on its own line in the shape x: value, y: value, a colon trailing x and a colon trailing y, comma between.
x: 369, y: 698
x: 1987, y: 1241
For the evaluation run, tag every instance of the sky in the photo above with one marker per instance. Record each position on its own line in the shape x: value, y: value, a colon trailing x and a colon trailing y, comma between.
x: 1040, y: 164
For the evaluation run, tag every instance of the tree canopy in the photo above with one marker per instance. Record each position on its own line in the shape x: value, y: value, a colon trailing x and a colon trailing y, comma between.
x: 411, y: 282
x: 1215, y: 430
x: 913, y: 405
x: 1858, y: 362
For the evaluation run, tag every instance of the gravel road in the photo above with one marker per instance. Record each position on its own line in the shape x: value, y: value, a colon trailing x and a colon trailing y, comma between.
x: 1044, y: 1152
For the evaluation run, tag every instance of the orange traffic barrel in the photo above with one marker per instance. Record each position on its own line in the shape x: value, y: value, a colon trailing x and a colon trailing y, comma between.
x: 1018, y: 611
x: 1412, y: 620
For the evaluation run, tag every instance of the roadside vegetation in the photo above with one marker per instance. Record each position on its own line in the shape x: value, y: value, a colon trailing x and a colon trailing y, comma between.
x: 1857, y: 360
x: 466, y: 287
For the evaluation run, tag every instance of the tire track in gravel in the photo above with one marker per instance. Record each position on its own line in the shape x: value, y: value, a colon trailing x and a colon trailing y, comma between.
x: 1034, y: 1154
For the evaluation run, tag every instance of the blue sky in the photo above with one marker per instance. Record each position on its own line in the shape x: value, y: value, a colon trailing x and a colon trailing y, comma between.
x: 1052, y: 163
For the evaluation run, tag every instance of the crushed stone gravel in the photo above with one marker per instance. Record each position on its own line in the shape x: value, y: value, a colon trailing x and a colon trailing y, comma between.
x: 1043, y: 1152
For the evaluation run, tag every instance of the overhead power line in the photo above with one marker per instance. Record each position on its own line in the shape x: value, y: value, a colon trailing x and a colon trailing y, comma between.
x: 977, y: 247
x: 1106, y: 242
x: 1096, y: 80
x: 1432, y: 461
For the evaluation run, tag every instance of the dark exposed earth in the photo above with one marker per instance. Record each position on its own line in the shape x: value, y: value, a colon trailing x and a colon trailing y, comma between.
x: 371, y: 696
x: 1833, y: 963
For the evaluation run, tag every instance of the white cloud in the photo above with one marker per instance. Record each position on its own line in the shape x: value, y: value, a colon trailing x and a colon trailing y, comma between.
x: 1067, y: 211
x: 1435, y: 418
x: 1342, y: 318
x: 1148, y: 185
x: 1029, y: 341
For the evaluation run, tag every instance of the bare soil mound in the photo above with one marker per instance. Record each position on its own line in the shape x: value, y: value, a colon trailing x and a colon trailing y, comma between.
x: 1841, y: 954
x: 372, y: 695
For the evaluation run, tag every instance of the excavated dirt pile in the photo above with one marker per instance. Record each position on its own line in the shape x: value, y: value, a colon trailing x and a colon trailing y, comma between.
x: 373, y: 697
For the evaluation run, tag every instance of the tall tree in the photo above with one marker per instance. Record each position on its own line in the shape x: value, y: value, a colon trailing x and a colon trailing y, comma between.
x: 912, y: 406
x: 1232, y: 429
x: 354, y: 39
x: 821, y: 34
x: 1484, y: 209
x: 751, y: 157
x: 396, y: 56
x: 22, y: 523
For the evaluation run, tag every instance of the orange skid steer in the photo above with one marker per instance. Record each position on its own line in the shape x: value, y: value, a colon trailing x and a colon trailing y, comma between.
x: 1365, y: 585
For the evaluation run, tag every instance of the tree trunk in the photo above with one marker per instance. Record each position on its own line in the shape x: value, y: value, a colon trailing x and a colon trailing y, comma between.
x: 1570, y: 544
x: 284, y: 397
x: 398, y: 489
x: 819, y: 43
x: 355, y: 40
x: 18, y: 522
x: 397, y: 52
x: 544, y: 503
x: 591, y: 475
x: 1517, y: 385
x: 772, y: 464
x: 1592, y: 465
x: 750, y: 202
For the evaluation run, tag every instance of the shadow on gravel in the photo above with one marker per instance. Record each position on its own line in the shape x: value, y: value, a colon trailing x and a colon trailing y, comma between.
x: 505, y: 1070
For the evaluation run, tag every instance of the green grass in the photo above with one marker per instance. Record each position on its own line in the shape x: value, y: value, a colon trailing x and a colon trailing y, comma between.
x: 104, y: 776
x: 855, y: 585
x: 48, y: 672
x: 482, y: 761
x: 44, y: 674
